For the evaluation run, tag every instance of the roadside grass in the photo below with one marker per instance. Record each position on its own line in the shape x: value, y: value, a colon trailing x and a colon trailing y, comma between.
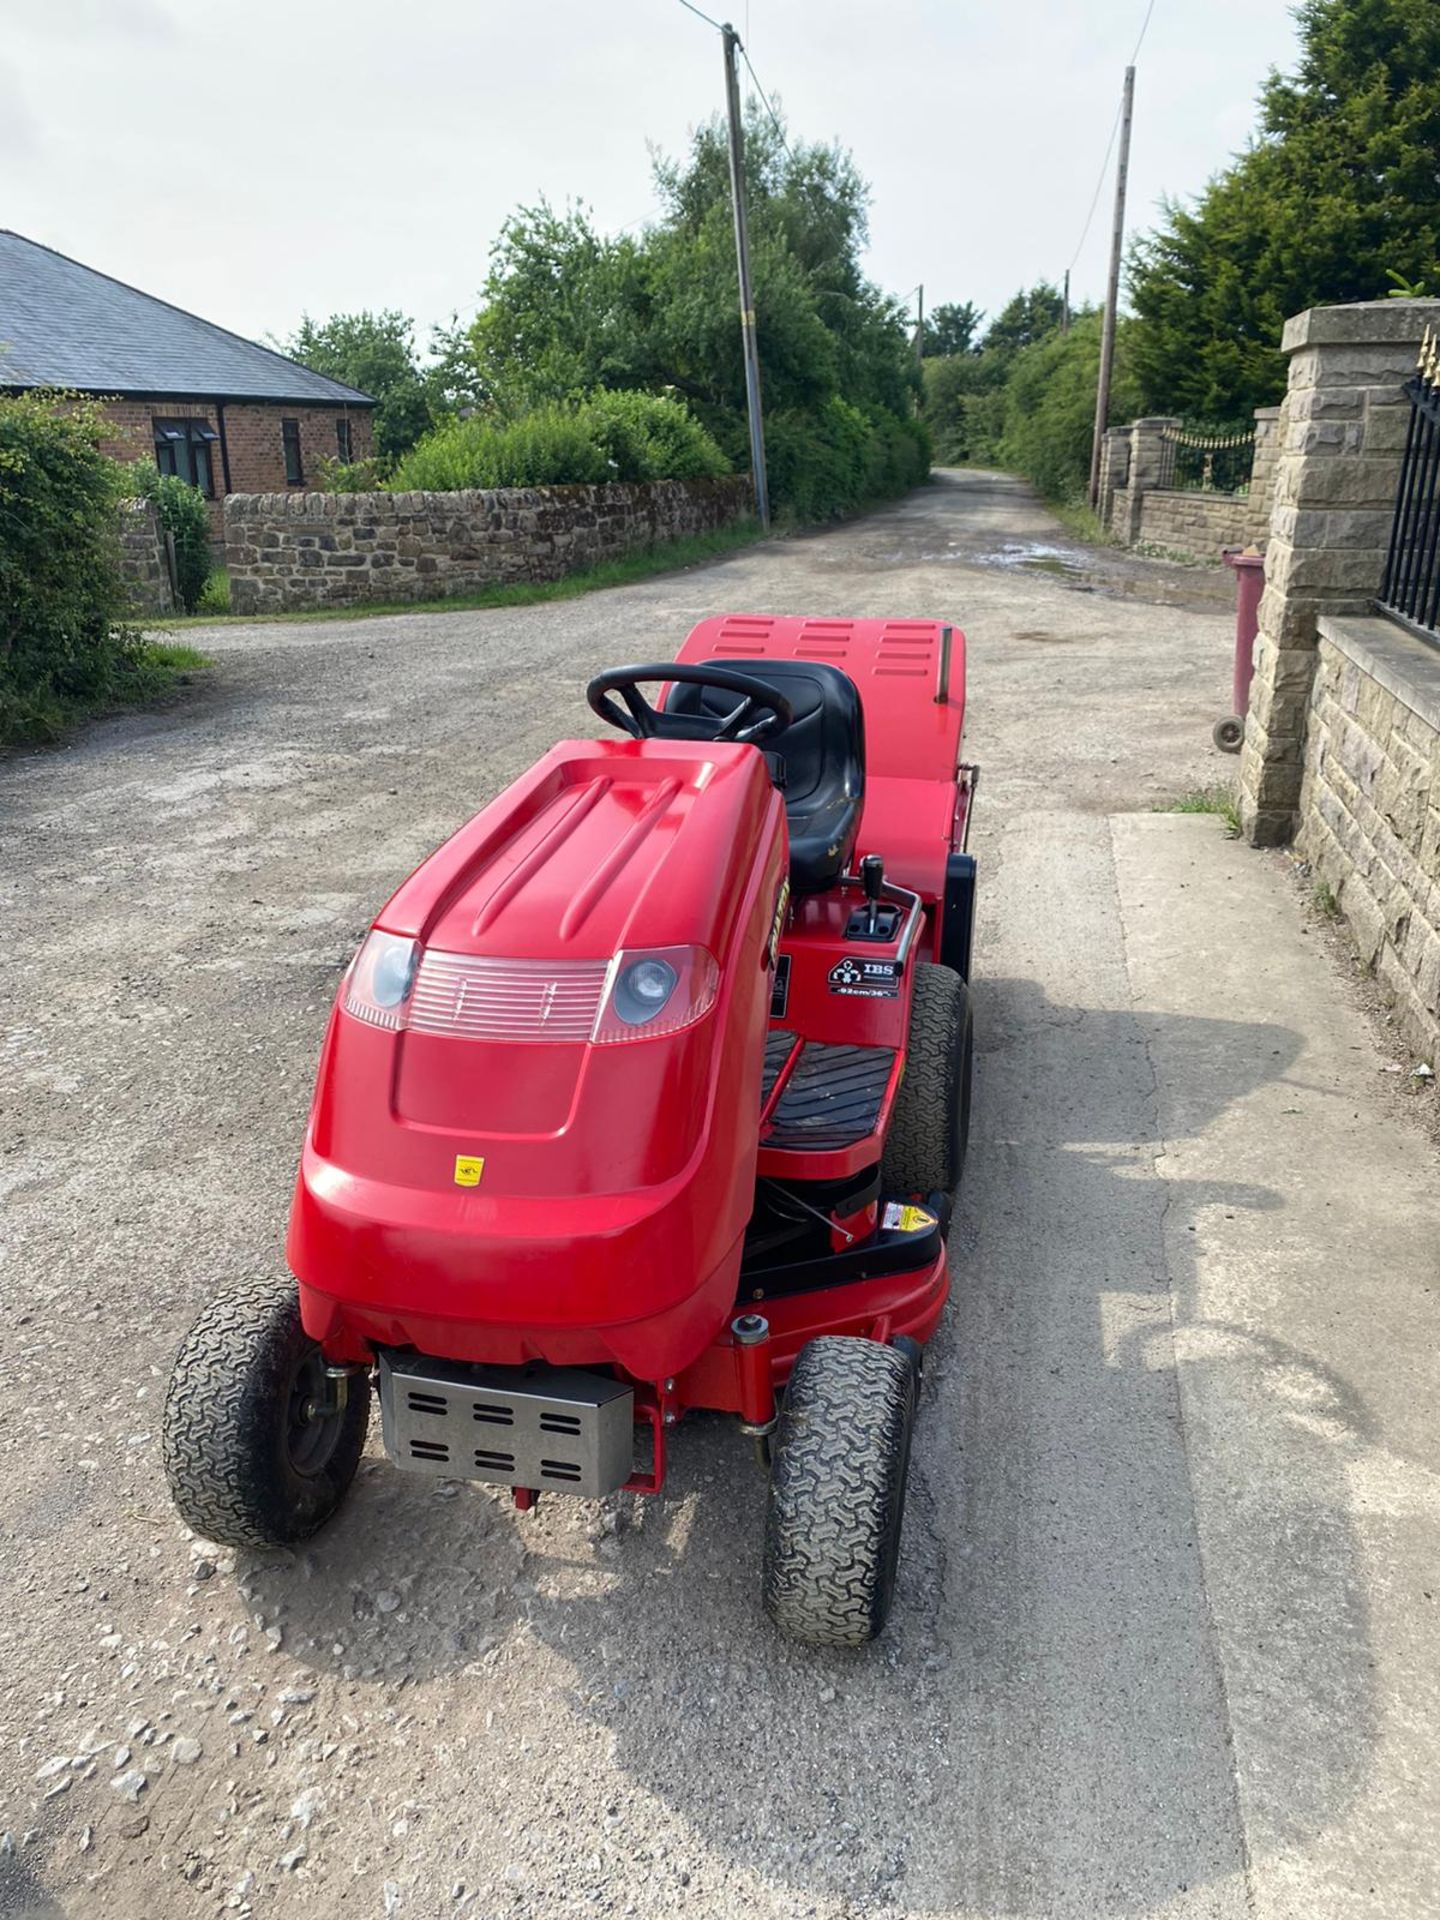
x: 215, y: 594
x: 155, y: 669
x: 1219, y: 801
x: 1082, y: 523
x: 670, y: 557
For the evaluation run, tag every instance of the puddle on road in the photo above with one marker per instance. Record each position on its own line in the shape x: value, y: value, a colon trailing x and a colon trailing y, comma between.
x: 1035, y: 557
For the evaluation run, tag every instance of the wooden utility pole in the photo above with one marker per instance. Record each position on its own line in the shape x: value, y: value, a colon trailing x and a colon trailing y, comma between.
x: 731, y: 41
x: 920, y: 327
x: 1112, y: 297
x: 1065, y: 304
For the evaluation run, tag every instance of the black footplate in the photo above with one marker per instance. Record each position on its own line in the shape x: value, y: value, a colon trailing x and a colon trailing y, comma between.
x: 832, y: 1098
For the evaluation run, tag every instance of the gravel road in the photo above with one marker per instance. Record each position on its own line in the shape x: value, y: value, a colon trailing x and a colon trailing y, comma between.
x: 442, y: 1706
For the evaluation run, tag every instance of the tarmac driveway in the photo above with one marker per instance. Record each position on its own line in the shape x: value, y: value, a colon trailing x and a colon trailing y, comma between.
x: 1164, y: 1637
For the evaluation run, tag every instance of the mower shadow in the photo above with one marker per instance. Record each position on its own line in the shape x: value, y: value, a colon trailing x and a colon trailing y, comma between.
x: 1044, y: 1728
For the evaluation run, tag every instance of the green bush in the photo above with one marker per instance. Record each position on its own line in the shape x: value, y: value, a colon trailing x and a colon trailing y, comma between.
x: 182, y: 513
x: 64, y: 645
x: 348, y: 476
x: 610, y: 436
x: 646, y: 436
x: 546, y: 448
x: 1050, y: 407
x: 833, y: 459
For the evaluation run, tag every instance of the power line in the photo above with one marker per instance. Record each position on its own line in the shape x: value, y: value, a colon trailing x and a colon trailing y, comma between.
x: 1099, y: 184
x: 1109, y: 144
x: 702, y: 16
x: 1144, y: 28
x: 774, y: 117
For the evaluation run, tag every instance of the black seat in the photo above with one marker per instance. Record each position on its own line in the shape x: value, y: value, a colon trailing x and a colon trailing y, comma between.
x: 819, y: 759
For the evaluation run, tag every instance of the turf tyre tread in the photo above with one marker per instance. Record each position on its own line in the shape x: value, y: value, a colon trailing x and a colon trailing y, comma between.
x: 223, y: 1442
x: 930, y: 1121
x: 840, y: 1461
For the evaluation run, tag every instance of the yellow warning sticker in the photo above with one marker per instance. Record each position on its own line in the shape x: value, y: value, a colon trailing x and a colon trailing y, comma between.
x: 906, y: 1219
x: 468, y: 1169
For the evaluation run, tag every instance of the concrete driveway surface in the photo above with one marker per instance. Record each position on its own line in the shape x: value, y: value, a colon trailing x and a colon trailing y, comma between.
x: 1165, y: 1636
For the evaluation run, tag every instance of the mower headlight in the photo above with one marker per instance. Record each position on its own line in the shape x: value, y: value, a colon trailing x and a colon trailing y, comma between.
x: 380, y: 979
x: 642, y: 988
x: 657, y: 993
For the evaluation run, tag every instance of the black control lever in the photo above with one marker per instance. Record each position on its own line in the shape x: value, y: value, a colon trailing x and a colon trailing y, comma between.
x: 872, y: 878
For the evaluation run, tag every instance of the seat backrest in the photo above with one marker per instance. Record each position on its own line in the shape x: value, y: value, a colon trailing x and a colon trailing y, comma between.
x: 823, y: 749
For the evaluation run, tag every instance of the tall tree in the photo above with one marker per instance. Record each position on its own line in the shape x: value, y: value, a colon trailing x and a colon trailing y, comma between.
x: 951, y: 328
x: 1339, y: 192
x: 374, y: 352
x: 568, y: 310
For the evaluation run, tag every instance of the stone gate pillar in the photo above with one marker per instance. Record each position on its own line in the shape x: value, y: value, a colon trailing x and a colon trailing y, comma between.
x: 1147, y: 454
x: 1339, y: 442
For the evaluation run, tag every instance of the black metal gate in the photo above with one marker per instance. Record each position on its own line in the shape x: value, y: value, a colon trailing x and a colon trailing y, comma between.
x: 1206, y: 459
x: 1410, y: 592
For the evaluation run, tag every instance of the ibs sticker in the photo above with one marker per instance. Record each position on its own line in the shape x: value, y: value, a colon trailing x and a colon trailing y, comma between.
x: 866, y: 979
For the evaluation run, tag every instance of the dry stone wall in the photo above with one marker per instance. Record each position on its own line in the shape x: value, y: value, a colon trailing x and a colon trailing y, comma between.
x: 288, y: 551
x: 143, y: 562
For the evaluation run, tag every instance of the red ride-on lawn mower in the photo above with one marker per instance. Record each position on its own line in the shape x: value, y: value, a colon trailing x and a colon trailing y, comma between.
x: 647, y: 1091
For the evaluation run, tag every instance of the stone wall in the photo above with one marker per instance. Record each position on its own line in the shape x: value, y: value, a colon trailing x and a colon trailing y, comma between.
x: 143, y: 561
x: 1195, y: 523
x: 328, y: 549
x: 1189, y: 521
x: 1369, y: 815
x: 1340, y: 439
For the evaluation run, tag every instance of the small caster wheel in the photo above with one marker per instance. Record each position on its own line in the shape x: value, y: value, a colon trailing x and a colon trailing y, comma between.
x: 1229, y: 733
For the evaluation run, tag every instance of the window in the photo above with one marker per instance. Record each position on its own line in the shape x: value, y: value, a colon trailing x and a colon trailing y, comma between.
x: 342, y: 439
x: 182, y: 447
x: 294, y: 470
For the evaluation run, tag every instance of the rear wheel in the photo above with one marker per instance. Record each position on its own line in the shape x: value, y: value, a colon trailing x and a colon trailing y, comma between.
x: 840, y: 1461
x: 259, y: 1446
x: 930, y: 1122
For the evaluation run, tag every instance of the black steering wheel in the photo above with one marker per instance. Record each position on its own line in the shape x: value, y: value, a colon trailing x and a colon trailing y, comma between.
x: 644, y: 722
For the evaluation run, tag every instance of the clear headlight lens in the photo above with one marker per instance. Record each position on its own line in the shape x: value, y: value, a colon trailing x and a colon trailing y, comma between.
x: 380, y: 979
x: 657, y: 992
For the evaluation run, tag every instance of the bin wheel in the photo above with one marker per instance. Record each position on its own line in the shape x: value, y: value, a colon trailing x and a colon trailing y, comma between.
x: 837, y: 1491
x: 259, y: 1446
x: 1229, y: 733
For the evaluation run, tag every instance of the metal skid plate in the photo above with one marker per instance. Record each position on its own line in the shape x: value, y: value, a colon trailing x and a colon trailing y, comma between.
x: 556, y: 1428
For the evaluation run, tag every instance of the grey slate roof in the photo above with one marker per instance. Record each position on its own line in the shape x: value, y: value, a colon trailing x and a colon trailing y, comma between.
x: 64, y: 325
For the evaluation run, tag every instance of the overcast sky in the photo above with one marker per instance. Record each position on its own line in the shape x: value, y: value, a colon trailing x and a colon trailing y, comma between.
x: 253, y: 161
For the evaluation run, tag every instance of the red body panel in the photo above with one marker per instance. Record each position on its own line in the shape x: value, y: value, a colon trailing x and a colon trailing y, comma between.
x: 589, y: 1238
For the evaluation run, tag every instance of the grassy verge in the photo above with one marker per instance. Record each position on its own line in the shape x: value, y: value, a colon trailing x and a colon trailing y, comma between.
x: 670, y: 557
x: 153, y: 670
x: 1082, y: 523
x: 1219, y: 801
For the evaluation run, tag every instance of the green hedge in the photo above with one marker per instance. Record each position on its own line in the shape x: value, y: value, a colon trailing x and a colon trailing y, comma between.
x: 610, y: 436
x: 834, y: 459
x: 64, y: 644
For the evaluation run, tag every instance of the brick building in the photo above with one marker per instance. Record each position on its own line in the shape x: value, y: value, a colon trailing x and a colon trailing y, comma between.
x: 224, y: 413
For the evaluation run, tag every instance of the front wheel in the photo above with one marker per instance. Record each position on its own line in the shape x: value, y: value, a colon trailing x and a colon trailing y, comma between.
x: 259, y: 1446
x: 840, y: 1462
